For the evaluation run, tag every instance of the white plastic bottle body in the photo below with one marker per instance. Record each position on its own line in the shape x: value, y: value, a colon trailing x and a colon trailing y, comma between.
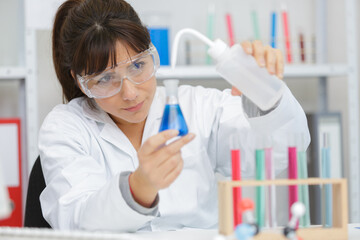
x: 256, y: 83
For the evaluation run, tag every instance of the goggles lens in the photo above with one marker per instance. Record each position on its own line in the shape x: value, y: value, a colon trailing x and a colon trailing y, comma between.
x: 108, y: 83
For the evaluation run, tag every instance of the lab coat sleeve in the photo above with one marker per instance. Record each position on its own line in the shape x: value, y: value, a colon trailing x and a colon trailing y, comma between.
x: 286, y: 122
x: 79, y: 193
x: 233, y: 127
x: 126, y: 193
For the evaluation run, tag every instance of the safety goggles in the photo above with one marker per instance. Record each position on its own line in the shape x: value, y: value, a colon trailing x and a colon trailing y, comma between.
x: 137, y: 70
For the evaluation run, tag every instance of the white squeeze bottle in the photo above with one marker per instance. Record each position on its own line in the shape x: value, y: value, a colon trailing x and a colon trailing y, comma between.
x: 240, y: 70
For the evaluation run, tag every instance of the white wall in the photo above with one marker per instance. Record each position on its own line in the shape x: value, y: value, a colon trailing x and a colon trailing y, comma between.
x: 9, y: 55
x: 49, y: 89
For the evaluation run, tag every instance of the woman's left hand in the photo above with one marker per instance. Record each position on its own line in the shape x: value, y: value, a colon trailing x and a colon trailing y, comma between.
x: 265, y: 56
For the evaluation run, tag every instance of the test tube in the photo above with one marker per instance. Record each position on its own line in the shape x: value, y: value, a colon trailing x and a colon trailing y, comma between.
x: 292, y: 157
x: 270, y: 193
x: 236, y: 176
x: 303, y: 174
x: 260, y: 175
x: 273, y: 29
x: 327, y: 189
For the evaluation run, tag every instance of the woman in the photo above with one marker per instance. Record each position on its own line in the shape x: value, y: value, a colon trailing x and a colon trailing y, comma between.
x: 105, y: 164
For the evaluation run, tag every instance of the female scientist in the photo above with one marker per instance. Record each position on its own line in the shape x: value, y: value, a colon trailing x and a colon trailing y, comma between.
x: 105, y: 165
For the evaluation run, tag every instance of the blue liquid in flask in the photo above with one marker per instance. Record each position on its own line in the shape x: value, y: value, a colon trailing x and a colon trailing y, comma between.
x: 173, y: 119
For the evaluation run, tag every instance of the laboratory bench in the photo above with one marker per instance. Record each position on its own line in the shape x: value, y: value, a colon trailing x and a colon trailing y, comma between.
x: 187, y: 234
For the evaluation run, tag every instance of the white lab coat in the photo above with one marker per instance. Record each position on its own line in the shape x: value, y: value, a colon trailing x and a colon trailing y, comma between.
x: 83, y: 152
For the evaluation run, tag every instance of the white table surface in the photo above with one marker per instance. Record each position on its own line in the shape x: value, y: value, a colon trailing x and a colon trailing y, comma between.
x: 188, y: 234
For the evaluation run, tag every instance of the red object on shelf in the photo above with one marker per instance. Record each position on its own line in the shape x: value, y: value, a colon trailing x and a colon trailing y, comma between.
x: 287, y: 36
x: 15, y: 183
x: 230, y: 29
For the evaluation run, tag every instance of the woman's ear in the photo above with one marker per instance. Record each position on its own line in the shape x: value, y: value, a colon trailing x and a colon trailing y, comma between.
x: 74, y: 76
x: 76, y: 80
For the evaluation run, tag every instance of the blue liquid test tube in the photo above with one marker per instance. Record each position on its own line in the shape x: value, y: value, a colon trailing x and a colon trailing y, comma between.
x: 273, y: 30
x: 327, y: 190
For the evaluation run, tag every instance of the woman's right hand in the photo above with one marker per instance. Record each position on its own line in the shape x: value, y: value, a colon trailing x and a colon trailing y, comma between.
x: 159, y: 165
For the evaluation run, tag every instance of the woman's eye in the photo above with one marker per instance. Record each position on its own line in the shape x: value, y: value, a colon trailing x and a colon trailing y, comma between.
x: 104, y: 79
x: 138, y: 65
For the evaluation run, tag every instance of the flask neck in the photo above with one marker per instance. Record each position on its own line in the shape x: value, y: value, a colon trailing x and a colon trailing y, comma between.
x: 172, y: 99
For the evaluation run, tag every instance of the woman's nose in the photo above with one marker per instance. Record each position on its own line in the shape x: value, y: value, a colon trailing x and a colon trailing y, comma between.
x: 129, y: 90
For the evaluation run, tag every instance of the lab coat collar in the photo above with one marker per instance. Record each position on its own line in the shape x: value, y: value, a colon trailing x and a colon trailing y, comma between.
x: 96, y: 114
x: 118, y: 138
x: 108, y: 130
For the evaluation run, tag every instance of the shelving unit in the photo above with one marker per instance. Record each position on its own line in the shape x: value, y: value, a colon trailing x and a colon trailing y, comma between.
x: 12, y: 73
x: 292, y: 71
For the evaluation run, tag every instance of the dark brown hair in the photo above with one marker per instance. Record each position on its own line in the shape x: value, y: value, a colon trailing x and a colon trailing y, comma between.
x: 84, y: 38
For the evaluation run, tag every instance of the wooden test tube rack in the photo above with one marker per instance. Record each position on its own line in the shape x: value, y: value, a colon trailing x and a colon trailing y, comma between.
x: 339, y: 231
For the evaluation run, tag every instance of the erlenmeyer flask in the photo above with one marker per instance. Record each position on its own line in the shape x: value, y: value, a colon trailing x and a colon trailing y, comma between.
x: 173, y: 117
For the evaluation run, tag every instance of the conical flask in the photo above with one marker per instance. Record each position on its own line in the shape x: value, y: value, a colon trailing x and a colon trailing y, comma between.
x: 173, y: 117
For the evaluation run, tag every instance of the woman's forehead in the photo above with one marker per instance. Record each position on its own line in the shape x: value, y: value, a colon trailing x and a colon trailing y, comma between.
x: 124, y: 52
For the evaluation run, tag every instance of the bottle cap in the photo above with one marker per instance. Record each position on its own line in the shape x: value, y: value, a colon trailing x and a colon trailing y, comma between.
x: 246, y: 204
x: 298, y: 209
x: 171, y: 86
x: 217, y: 49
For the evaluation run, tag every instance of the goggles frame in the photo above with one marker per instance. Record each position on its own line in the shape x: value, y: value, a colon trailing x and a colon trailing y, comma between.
x: 156, y: 61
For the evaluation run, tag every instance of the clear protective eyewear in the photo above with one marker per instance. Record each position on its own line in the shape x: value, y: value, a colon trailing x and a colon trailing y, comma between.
x: 137, y: 70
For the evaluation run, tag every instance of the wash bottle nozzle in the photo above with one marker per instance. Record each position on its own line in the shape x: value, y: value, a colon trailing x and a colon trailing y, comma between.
x: 217, y: 47
x: 240, y: 70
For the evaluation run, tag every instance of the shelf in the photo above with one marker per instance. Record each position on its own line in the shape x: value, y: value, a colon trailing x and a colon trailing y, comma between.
x: 12, y: 73
x: 328, y: 70
x: 292, y: 71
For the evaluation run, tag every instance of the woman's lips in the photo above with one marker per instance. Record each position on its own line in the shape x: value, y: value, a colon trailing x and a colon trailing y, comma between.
x: 134, y: 108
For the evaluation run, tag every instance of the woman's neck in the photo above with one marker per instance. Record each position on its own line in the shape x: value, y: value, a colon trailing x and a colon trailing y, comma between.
x: 133, y: 131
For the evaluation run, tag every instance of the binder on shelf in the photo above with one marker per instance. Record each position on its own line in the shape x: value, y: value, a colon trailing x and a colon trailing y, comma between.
x: 10, y: 159
x: 320, y: 123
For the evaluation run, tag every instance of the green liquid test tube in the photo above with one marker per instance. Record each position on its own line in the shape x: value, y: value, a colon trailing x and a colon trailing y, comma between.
x: 210, y: 28
x: 260, y: 191
x: 303, y: 189
x: 255, y: 22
